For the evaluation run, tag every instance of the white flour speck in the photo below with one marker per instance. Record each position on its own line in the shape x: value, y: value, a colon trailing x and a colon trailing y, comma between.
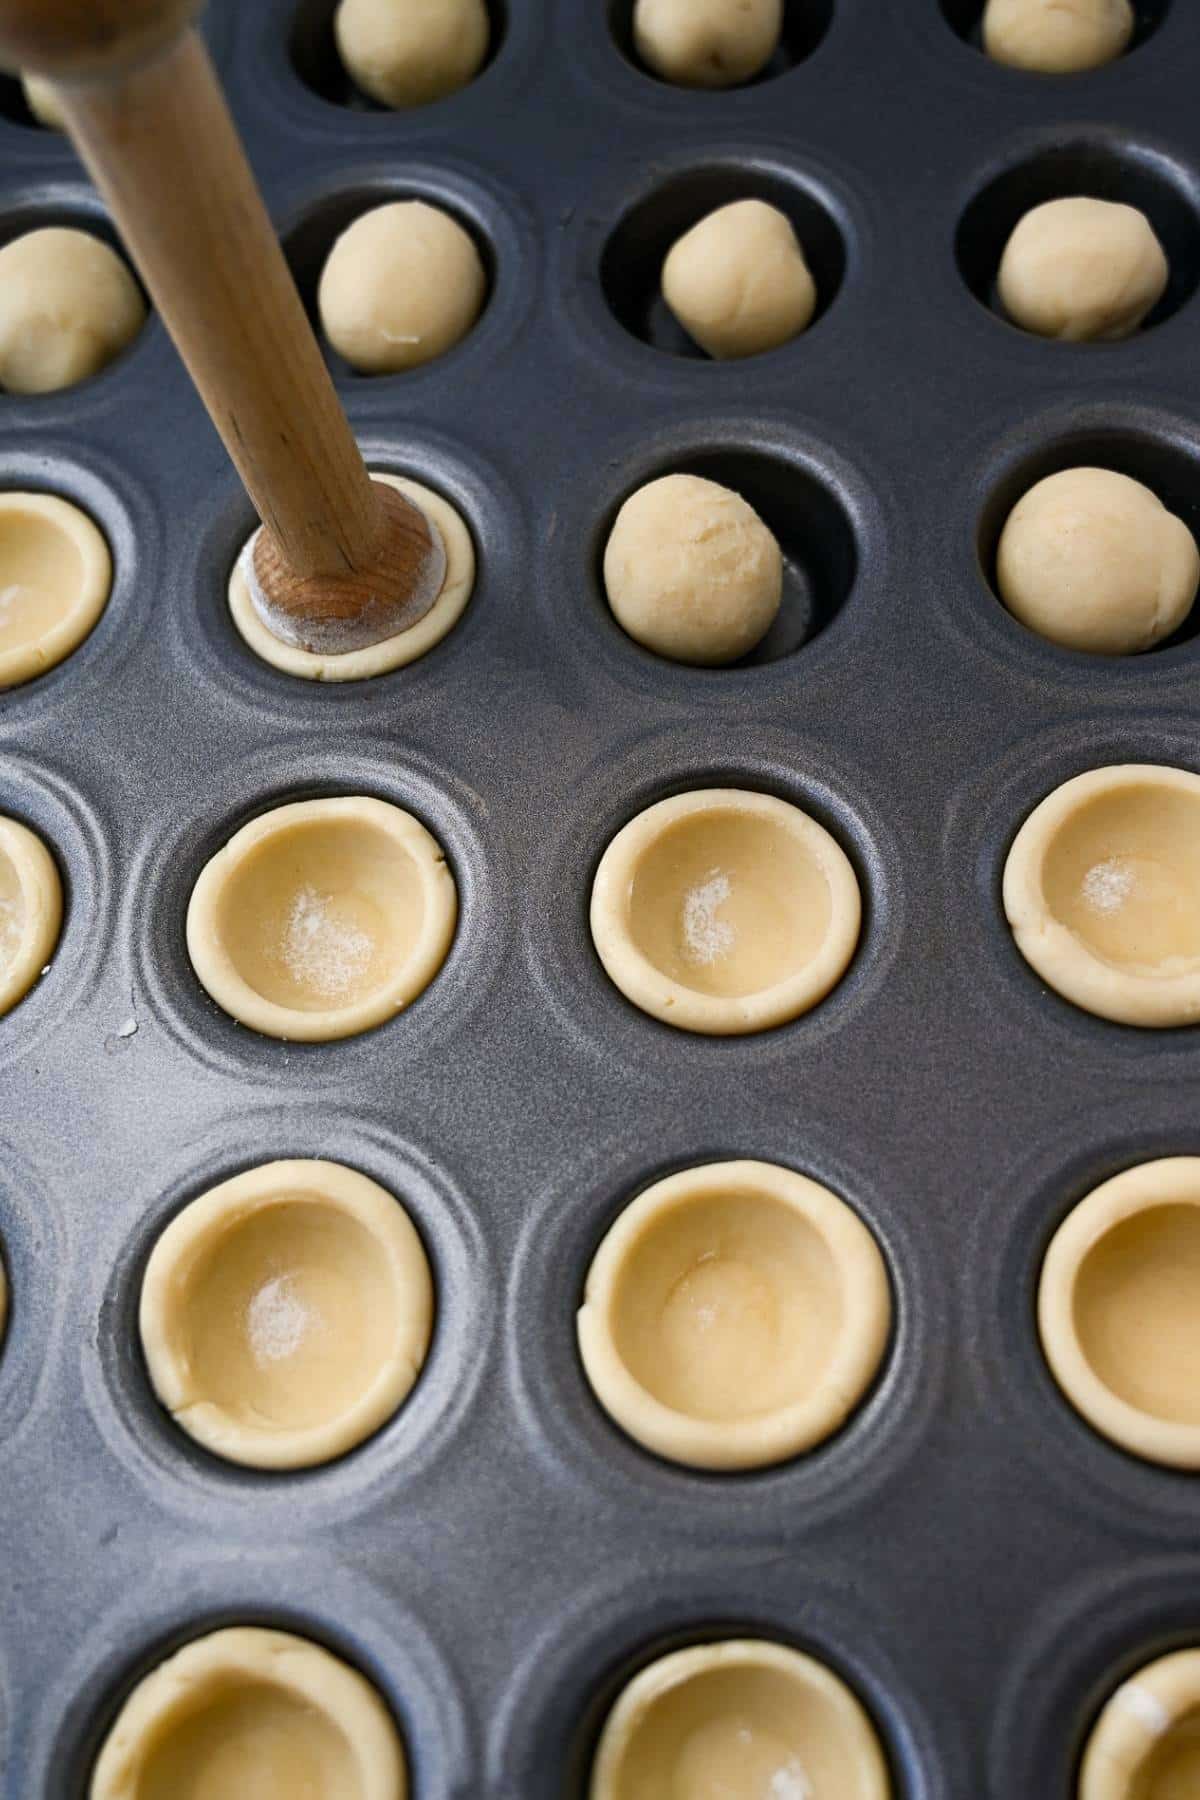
x: 320, y: 952
x: 790, y: 1782
x: 1146, y: 1708
x: 705, y: 937
x: 1107, y: 886
x: 8, y: 600
x: 276, y: 1320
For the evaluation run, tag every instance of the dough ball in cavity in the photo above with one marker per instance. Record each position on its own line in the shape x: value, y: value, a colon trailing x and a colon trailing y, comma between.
x: 1093, y: 560
x: 692, y: 572
x: 68, y: 306
x: 402, y: 285
x: 42, y: 101
x: 1057, y: 37
x: 1082, y: 270
x: 707, y: 43
x: 738, y: 282
x: 409, y: 52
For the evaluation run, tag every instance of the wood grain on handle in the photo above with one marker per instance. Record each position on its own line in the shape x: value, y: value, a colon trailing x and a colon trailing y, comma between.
x: 350, y: 562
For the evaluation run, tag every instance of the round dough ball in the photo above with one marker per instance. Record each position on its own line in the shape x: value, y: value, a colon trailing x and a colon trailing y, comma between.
x: 42, y: 101
x: 1082, y: 270
x: 68, y: 306
x: 402, y: 285
x: 409, y: 52
x: 1094, y: 561
x: 692, y: 572
x: 707, y: 43
x: 1057, y: 37
x: 738, y: 282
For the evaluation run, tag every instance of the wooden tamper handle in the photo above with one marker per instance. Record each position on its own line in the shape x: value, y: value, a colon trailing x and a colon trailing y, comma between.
x: 342, y: 561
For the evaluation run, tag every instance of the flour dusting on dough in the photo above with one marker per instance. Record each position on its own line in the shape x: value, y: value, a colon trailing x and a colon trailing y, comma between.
x: 277, y: 1320
x: 319, y: 951
x: 10, y: 931
x: 705, y: 936
x: 1108, y: 885
x: 789, y: 1783
x: 1146, y: 1708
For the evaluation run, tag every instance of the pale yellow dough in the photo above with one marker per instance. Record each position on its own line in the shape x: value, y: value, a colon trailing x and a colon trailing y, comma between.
x: 68, y: 306
x: 42, y: 101
x: 1119, y: 1310
x: 734, y: 1315
x: 738, y: 282
x: 1057, y: 37
x: 408, y: 52
x: 1094, y: 561
x: 394, y: 652
x: 1146, y: 1743
x: 725, y: 911
x: 1082, y: 270
x: 322, y: 918
x: 707, y: 43
x: 285, y: 1315
x: 1102, y: 891
x: 741, y: 1719
x: 55, y: 579
x: 691, y: 572
x: 248, y: 1711
x: 31, y: 907
x: 402, y: 285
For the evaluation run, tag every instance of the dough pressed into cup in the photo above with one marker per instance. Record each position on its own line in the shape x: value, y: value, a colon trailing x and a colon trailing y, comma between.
x: 1102, y: 891
x: 402, y: 285
x: 691, y: 571
x: 55, y: 580
x: 1146, y: 1743
x: 744, y: 1718
x: 68, y: 306
x: 247, y: 1710
x: 394, y: 652
x: 725, y: 911
x: 322, y: 918
x: 707, y: 43
x: 411, y: 53
x: 735, y: 1315
x: 285, y: 1314
x: 42, y: 101
x: 31, y: 905
x: 1057, y: 37
x: 1119, y: 1310
x: 738, y: 282
x: 1094, y: 561
x: 1082, y: 270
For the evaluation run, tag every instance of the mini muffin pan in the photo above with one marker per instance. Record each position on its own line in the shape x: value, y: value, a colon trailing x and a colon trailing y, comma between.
x: 979, y: 1565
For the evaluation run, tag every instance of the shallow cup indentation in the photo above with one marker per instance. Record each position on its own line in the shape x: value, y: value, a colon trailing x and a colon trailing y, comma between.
x: 1146, y: 1743
x: 248, y: 1703
x: 322, y: 918
x: 1119, y: 1309
x: 965, y: 19
x: 725, y: 911
x: 1102, y: 891
x: 805, y: 23
x: 741, y: 1716
x: 315, y: 57
x: 1093, y: 169
x: 31, y: 908
x: 734, y: 1316
x: 55, y: 579
x: 286, y: 1313
x: 631, y: 263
